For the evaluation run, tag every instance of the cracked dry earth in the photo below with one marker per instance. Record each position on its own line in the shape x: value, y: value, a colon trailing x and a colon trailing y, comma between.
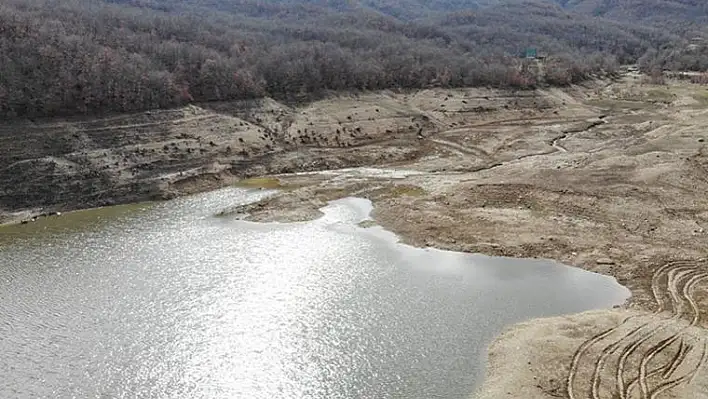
x: 614, y: 181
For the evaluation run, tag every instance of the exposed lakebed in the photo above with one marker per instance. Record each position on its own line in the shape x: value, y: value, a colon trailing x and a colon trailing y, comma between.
x: 165, y: 300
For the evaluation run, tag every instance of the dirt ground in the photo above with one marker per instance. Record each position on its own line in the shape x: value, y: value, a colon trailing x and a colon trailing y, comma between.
x: 66, y: 164
x: 610, y: 177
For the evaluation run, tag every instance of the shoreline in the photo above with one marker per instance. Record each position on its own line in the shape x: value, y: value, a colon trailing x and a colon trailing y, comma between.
x: 605, y: 179
x: 531, y: 333
x: 513, y: 335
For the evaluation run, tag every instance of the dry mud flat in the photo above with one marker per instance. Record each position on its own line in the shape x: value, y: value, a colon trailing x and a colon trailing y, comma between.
x: 612, y: 181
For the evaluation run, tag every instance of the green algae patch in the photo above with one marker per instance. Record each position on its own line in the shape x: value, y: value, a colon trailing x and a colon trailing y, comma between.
x: 260, y: 182
x: 407, y: 190
x: 701, y: 97
x: 73, y: 222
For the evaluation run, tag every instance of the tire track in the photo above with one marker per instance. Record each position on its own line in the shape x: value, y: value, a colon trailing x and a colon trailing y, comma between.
x: 610, y: 350
x: 642, y: 378
x: 636, y: 344
x: 667, y: 369
x: 624, y: 356
x: 579, y: 353
x: 665, y: 343
x: 680, y: 380
x: 678, y: 359
x: 672, y: 284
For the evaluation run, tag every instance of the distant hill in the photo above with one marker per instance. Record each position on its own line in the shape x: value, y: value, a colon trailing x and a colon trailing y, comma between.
x: 647, y: 11
x: 421, y: 8
x: 621, y: 10
x: 632, y: 11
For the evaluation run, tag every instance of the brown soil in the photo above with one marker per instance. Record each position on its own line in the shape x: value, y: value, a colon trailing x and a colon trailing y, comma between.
x: 611, y: 178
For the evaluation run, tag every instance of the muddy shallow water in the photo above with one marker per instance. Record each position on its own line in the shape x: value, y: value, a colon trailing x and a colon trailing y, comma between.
x: 166, y: 301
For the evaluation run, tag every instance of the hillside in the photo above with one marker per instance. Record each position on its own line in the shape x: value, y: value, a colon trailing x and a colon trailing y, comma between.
x: 86, y: 162
x: 90, y: 57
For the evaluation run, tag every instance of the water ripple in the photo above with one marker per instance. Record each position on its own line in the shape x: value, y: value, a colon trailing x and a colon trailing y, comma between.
x: 164, y: 301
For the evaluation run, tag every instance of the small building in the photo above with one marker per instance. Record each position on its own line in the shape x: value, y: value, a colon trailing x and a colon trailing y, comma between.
x: 531, y: 53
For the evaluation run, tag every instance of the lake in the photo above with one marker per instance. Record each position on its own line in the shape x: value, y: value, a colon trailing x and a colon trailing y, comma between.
x: 165, y: 300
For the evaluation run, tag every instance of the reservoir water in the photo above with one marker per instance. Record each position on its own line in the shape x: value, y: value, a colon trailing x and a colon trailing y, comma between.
x: 167, y: 301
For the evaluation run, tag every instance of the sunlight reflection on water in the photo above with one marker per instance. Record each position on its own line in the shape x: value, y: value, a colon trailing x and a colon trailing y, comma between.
x: 166, y: 301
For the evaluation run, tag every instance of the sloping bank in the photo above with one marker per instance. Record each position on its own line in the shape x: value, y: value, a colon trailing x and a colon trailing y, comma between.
x: 64, y: 164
